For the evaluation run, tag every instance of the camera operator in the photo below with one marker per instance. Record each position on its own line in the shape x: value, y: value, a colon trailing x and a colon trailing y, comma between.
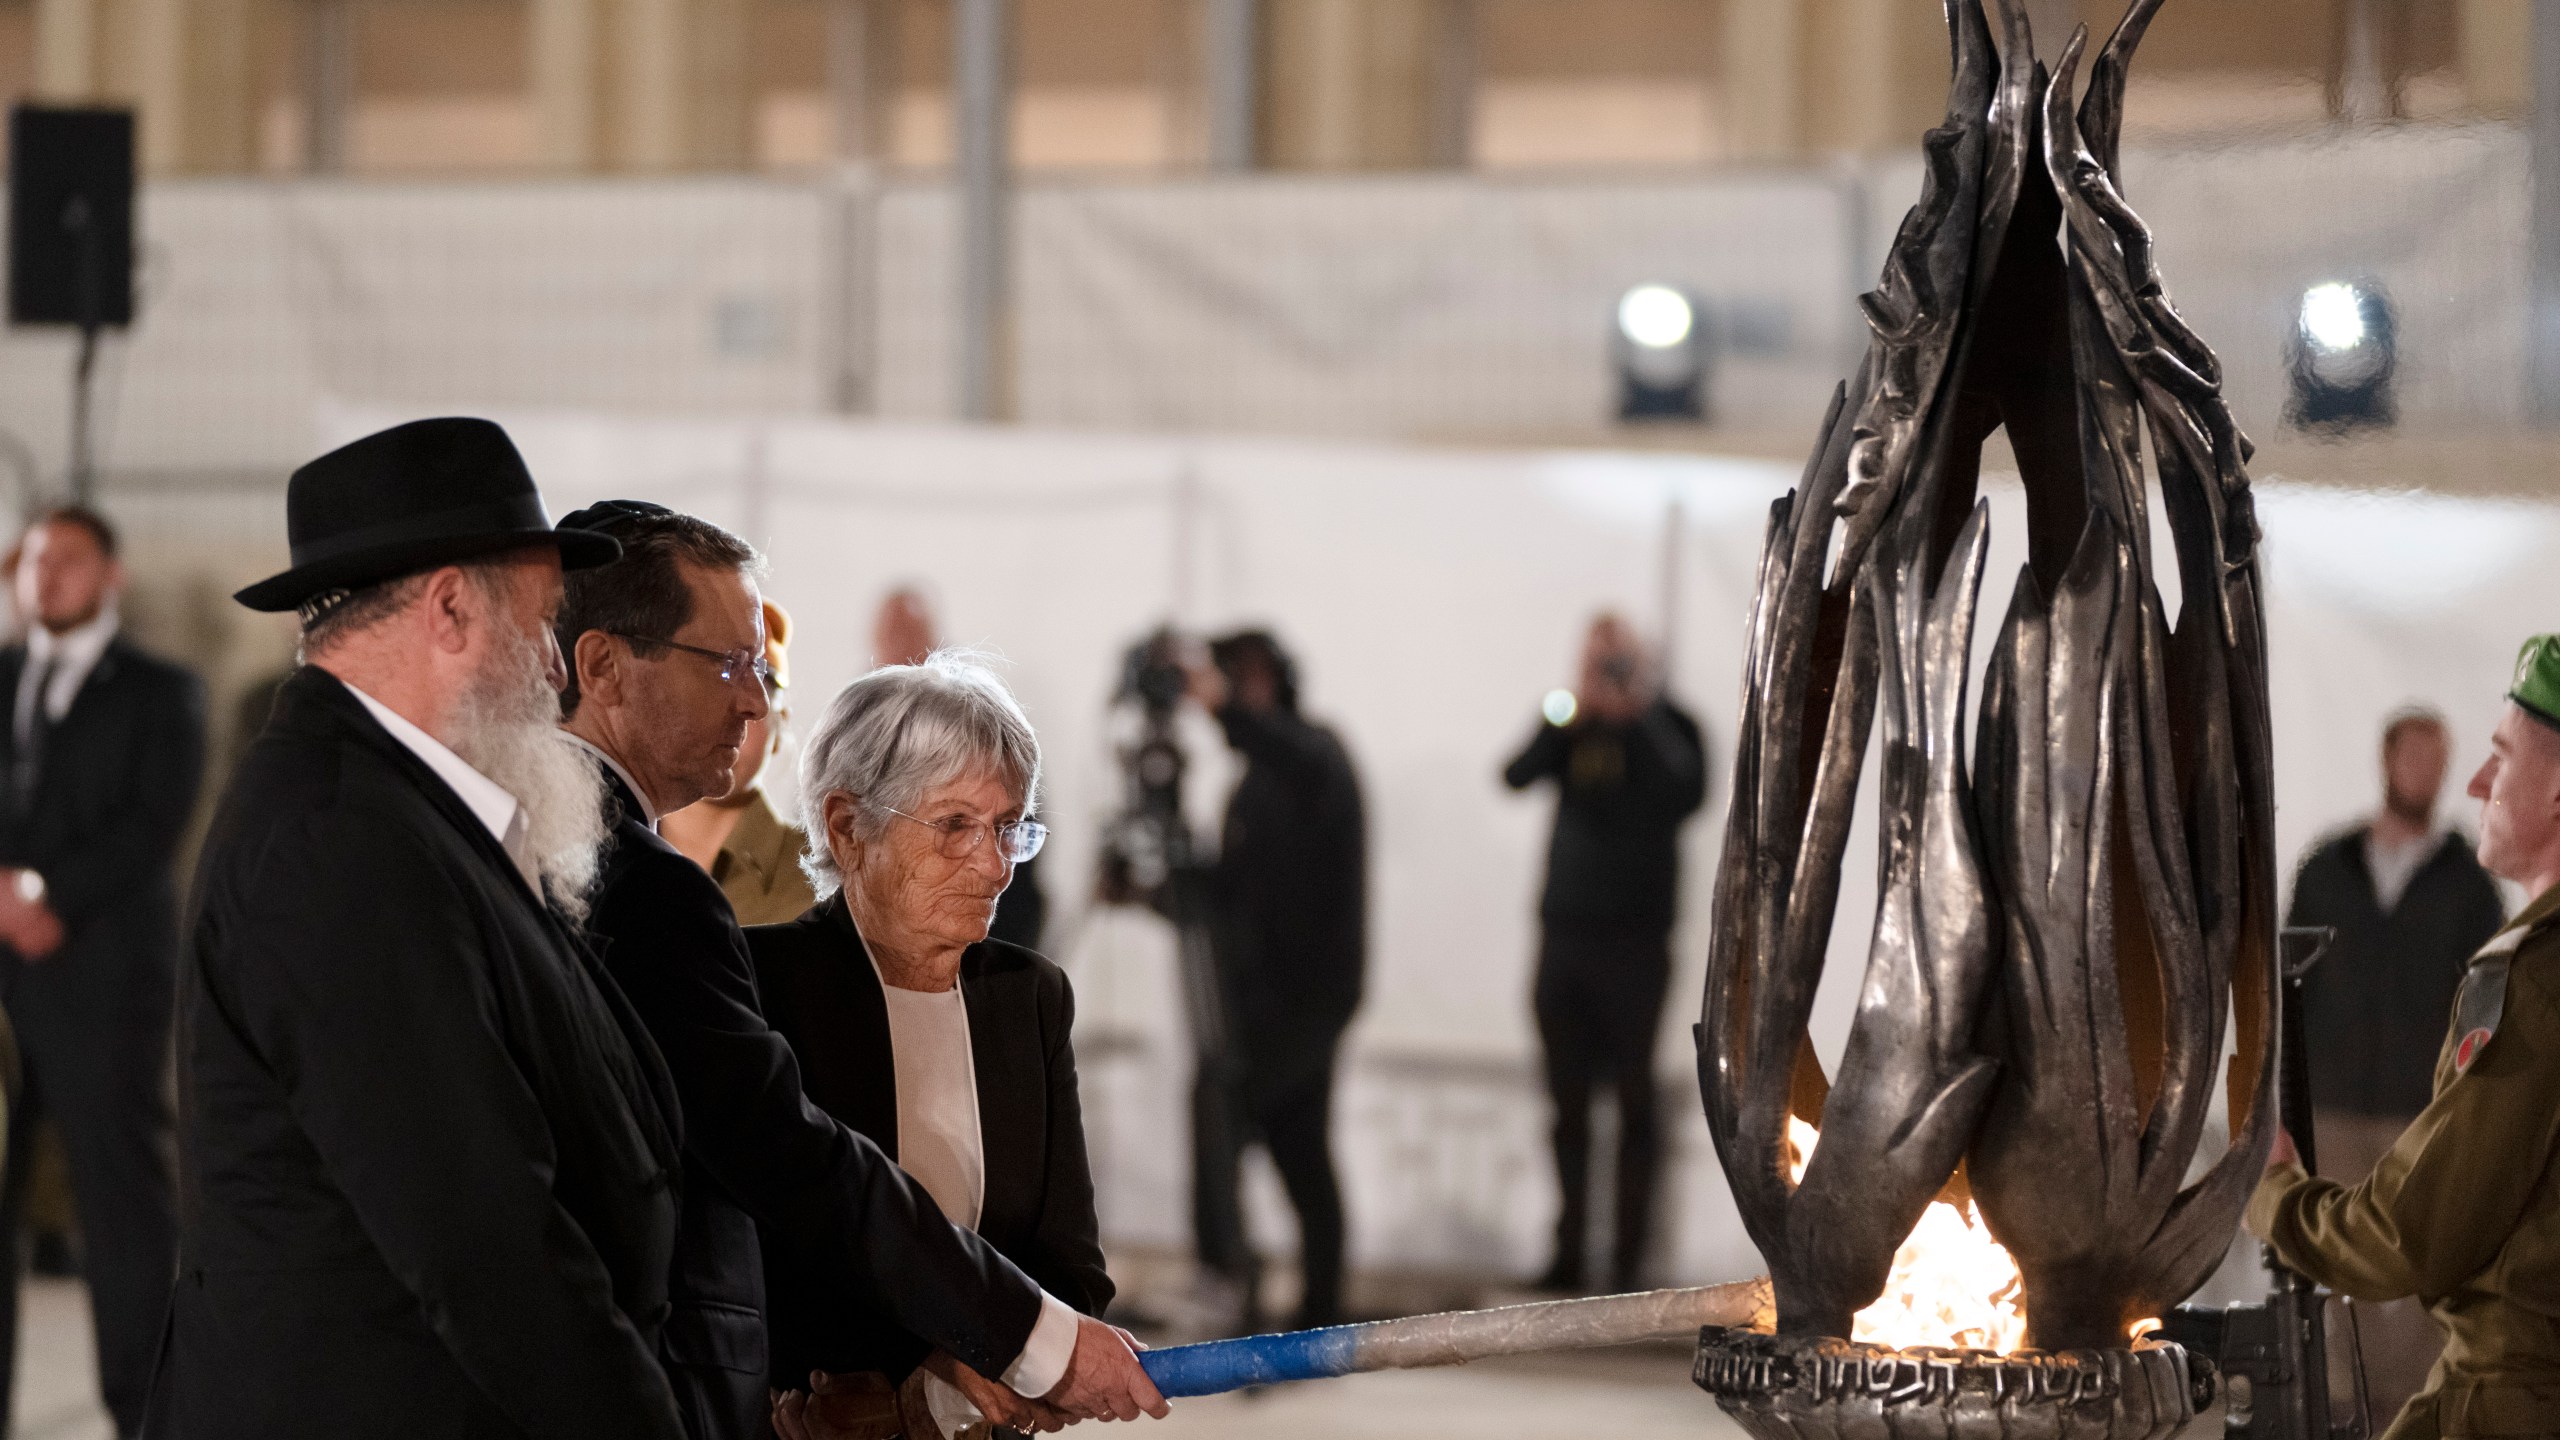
x: 1287, y: 923
x: 1630, y: 768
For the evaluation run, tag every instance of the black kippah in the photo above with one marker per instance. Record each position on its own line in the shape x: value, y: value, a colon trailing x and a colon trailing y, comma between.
x: 610, y: 516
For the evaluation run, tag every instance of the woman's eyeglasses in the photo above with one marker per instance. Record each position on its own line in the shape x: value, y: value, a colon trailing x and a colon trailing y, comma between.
x: 958, y: 837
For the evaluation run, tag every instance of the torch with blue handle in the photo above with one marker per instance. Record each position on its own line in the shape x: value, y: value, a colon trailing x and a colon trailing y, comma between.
x: 872, y: 1408
x: 1454, y: 1338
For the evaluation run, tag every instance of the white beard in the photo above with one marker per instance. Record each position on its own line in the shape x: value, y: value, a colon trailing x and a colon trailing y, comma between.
x: 508, y: 728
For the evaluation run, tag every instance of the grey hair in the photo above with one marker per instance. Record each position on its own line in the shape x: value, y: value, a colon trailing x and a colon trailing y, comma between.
x: 901, y: 730
x: 333, y: 615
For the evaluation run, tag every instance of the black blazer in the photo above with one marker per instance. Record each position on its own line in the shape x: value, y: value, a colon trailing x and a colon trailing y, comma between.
x: 842, y: 1215
x: 112, y: 798
x: 426, y: 1151
x: 823, y: 995
x: 1289, y: 892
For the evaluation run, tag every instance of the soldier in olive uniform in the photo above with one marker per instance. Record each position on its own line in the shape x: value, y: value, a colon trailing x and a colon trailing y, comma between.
x: 2464, y: 1211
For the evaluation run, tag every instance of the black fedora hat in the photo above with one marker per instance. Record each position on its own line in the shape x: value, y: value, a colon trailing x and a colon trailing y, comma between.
x: 410, y: 498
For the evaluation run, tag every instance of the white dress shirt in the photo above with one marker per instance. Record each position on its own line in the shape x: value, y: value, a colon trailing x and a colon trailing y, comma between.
x: 2394, y: 866
x: 72, y: 654
x: 940, y: 1144
x: 648, y: 812
x: 493, y: 806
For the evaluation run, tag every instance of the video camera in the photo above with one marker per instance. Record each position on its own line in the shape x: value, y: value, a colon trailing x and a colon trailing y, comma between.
x: 1149, y: 843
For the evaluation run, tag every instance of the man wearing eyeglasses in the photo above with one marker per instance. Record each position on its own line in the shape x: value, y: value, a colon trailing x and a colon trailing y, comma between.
x: 666, y: 672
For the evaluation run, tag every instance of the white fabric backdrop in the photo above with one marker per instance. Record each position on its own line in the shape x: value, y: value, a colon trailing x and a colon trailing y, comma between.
x: 1433, y: 596
x: 1456, y: 307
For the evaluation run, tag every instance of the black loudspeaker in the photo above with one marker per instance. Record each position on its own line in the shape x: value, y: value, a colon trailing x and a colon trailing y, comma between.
x: 70, y: 216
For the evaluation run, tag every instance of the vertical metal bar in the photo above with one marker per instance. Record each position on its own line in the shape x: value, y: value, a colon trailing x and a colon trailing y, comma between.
x: 84, y: 459
x: 848, y: 85
x: 2543, y: 321
x: 862, y: 78
x: 1232, y: 38
x: 1453, y: 84
x: 1675, y: 562
x: 83, y: 226
x: 2361, y: 93
x: 854, y: 294
x: 981, y: 75
x: 862, y: 73
x: 328, y: 84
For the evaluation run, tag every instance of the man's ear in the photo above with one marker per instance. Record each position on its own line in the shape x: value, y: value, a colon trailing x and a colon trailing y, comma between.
x: 597, y: 661
x: 452, y: 606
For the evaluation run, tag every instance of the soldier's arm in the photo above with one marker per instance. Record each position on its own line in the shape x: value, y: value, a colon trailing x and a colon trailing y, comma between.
x: 2442, y: 1202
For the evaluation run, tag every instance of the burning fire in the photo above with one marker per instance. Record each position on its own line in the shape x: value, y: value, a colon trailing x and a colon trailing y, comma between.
x: 1952, y: 1284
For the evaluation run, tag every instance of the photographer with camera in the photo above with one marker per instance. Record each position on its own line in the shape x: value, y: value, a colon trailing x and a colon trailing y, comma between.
x: 1630, y: 769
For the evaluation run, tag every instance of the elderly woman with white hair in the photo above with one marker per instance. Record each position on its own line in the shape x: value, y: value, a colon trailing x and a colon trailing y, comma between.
x: 948, y: 1049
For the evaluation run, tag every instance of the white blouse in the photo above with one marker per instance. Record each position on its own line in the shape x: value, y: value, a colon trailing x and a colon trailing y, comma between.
x: 938, y: 1138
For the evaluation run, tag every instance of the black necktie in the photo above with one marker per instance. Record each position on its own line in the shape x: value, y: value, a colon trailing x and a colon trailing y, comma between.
x: 32, y: 723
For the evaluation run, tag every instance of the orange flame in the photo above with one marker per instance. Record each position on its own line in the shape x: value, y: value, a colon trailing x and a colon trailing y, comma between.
x: 1952, y: 1284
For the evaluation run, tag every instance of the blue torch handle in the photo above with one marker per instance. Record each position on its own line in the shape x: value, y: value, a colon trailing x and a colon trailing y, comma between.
x: 1217, y: 1366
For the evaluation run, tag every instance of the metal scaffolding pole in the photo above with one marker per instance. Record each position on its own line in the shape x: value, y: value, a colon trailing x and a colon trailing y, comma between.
x: 328, y: 84
x: 1233, y: 64
x: 982, y: 68
x: 2543, y: 321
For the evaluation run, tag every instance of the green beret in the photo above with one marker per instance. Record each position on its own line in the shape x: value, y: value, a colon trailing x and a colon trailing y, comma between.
x: 2537, y: 686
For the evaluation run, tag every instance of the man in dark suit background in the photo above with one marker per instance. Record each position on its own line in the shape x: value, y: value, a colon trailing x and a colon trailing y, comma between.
x: 427, y: 1154
x: 2409, y: 904
x: 99, y: 765
x: 667, y: 670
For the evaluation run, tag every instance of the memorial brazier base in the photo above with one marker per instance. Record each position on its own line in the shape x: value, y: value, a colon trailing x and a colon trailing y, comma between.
x: 1821, y: 1388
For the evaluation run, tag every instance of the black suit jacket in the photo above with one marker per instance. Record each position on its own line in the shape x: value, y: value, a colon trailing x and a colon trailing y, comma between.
x: 842, y: 1215
x: 426, y: 1151
x: 2376, y: 1006
x: 1289, y: 893
x: 117, y: 784
x: 821, y: 992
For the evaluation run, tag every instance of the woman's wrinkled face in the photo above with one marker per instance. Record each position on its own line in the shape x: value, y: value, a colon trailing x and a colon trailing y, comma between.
x: 906, y: 874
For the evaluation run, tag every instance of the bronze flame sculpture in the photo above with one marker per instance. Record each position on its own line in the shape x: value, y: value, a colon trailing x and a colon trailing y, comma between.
x: 2066, y: 923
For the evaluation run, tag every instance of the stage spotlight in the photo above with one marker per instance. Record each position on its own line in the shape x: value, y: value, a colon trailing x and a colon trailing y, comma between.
x: 1661, y: 355
x: 2342, y: 354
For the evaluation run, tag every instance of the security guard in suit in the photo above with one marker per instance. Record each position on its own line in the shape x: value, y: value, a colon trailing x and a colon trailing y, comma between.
x: 2464, y: 1210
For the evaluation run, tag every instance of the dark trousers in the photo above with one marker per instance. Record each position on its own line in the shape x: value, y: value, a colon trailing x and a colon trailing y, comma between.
x: 1282, y: 1097
x: 93, y: 1027
x: 1599, y: 1003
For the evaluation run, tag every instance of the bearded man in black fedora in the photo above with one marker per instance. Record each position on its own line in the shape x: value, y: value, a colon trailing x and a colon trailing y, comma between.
x: 427, y: 1153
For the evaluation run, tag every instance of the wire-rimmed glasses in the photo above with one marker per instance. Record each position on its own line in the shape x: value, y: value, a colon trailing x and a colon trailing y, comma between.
x: 732, y: 663
x: 957, y: 837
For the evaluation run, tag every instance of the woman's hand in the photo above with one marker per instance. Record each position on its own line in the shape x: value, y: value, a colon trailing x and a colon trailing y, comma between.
x: 996, y: 1401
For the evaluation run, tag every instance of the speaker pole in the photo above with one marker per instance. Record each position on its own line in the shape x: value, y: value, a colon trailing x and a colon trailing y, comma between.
x: 84, y: 239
